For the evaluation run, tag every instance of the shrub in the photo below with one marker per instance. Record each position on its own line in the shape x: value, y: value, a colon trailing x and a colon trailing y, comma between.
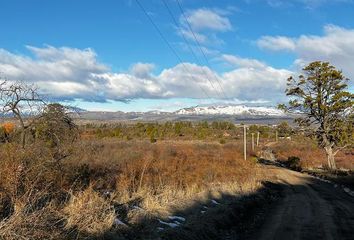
x: 56, y: 126
x: 8, y: 127
x: 293, y: 163
x: 222, y: 141
x: 6, y: 130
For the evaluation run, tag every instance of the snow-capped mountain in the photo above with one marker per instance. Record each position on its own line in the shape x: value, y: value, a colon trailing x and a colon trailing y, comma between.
x: 231, y: 110
x: 232, y: 113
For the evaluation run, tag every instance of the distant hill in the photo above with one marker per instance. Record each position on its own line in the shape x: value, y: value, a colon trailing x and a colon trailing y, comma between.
x: 233, y: 113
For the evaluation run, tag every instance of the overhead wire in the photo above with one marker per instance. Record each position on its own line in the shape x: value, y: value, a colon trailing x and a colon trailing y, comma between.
x: 199, y: 46
x: 190, y: 48
x: 169, y: 45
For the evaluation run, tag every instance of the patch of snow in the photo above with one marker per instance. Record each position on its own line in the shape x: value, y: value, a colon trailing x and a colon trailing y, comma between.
x: 119, y: 222
x: 231, y: 110
x: 214, y: 202
x: 322, y: 180
x: 172, y: 225
x: 159, y: 229
x: 182, y: 219
x: 205, y: 207
x: 138, y: 208
x: 202, y: 212
x: 348, y: 191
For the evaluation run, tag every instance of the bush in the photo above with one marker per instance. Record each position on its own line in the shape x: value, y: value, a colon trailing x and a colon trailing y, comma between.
x: 293, y: 163
x: 6, y: 130
x: 55, y: 126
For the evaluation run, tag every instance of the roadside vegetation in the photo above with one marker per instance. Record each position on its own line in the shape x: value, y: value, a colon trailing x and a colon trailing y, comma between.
x: 63, y: 180
x: 78, y: 183
x: 101, y: 180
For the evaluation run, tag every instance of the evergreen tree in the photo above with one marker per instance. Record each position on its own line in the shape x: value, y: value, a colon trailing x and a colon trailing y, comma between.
x: 326, y: 107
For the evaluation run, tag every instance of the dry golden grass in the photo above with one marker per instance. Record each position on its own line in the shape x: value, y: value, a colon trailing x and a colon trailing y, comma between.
x: 158, y: 177
x: 31, y: 216
x: 39, y: 224
x: 137, y: 180
x: 89, y: 213
x: 135, y: 165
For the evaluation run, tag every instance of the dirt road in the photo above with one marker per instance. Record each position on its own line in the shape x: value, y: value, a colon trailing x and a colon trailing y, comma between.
x: 310, y: 209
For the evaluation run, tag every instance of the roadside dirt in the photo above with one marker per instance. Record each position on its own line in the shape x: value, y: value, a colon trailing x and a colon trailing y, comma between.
x: 310, y: 209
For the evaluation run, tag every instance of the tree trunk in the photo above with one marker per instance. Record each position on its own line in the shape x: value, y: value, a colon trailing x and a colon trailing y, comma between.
x: 23, y: 127
x: 330, y: 157
x: 23, y: 133
x: 23, y: 138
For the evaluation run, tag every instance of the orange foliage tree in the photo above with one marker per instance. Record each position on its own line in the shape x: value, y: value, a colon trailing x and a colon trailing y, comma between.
x: 8, y: 127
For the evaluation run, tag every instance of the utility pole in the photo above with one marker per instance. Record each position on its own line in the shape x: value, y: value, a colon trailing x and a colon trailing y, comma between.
x: 257, y: 139
x: 244, y: 142
x: 252, y: 141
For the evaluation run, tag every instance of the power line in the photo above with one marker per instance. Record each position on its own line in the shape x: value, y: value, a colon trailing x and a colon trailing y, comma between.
x: 168, y: 44
x: 189, y: 46
x: 199, y: 46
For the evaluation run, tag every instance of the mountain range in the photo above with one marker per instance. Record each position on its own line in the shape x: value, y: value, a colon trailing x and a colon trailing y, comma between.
x: 233, y: 113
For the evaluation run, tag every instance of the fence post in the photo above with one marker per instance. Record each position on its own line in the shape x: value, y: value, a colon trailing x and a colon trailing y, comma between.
x: 252, y: 141
x: 257, y: 139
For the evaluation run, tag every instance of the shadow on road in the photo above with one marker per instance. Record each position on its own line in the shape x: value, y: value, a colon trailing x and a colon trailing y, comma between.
x: 226, y: 217
x: 294, y: 206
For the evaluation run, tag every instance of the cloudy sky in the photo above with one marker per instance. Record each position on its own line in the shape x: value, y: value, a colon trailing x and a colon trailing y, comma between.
x: 168, y: 54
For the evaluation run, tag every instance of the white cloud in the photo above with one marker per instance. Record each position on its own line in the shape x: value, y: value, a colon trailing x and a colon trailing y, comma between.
x: 277, y: 43
x: 68, y: 74
x: 201, y: 38
x: 335, y: 46
x: 205, y: 24
x: 59, y: 64
x: 142, y: 70
x: 308, y: 4
x: 207, y: 19
x: 254, y: 80
x: 243, y: 62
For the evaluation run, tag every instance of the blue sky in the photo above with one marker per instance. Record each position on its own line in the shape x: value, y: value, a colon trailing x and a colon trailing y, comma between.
x: 106, y: 55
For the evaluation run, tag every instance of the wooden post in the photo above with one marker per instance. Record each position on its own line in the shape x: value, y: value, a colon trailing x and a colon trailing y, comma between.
x: 276, y: 135
x: 257, y: 139
x: 252, y: 141
x: 244, y: 142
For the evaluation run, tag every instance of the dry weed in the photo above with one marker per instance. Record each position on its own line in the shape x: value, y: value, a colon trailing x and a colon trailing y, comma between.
x: 89, y: 213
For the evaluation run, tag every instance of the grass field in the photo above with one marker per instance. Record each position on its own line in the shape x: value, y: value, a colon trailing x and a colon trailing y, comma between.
x: 127, y: 181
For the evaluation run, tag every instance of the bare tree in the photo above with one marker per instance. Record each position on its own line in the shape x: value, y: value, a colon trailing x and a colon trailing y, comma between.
x: 22, y: 100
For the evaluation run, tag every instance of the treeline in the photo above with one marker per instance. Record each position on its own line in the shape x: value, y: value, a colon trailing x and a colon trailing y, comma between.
x: 216, y: 130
